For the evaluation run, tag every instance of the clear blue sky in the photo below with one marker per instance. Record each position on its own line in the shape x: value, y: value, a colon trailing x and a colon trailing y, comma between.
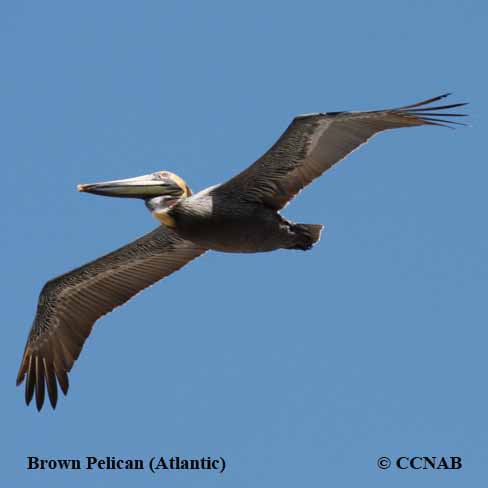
x: 300, y: 369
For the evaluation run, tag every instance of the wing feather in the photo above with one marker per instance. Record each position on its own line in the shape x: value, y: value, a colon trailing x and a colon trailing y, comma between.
x: 70, y: 304
x: 313, y: 143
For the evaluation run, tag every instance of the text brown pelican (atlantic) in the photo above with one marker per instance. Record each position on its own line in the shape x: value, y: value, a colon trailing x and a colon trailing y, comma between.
x: 240, y: 215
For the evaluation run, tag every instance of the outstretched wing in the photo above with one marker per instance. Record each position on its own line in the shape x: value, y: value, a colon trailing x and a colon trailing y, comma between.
x: 70, y: 304
x: 315, y: 142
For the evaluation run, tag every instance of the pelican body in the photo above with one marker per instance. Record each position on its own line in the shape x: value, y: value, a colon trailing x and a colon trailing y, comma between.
x: 220, y: 223
x: 241, y: 215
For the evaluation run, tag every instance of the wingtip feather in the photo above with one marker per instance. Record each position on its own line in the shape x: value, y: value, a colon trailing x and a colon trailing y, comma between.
x: 40, y: 376
x: 426, y: 102
x: 52, y: 389
x: 22, y: 371
x: 63, y: 380
x: 429, y: 115
x: 29, y: 386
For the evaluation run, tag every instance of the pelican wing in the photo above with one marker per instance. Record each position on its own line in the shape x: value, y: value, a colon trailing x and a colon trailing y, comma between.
x: 70, y: 304
x: 315, y: 142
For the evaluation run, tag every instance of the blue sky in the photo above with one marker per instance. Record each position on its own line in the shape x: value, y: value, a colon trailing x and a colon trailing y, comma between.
x: 300, y: 369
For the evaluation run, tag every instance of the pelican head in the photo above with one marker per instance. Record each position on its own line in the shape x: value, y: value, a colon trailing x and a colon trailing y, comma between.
x: 160, y: 190
x: 160, y: 184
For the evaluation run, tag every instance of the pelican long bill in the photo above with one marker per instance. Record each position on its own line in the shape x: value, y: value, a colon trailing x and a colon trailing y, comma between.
x: 145, y: 186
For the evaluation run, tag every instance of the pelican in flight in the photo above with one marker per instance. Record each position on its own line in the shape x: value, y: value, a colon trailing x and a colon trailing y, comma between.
x: 241, y: 215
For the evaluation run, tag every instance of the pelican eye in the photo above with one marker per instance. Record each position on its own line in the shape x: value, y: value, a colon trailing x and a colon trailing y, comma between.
x: 161, y: 175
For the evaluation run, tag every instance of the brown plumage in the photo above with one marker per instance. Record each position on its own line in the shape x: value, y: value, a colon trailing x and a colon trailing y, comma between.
x: 240, y: 215
x: 70, y: 304
x: 313, y: 143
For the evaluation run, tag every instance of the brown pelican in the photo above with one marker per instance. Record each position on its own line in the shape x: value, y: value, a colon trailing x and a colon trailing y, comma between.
x: 241, y: 215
